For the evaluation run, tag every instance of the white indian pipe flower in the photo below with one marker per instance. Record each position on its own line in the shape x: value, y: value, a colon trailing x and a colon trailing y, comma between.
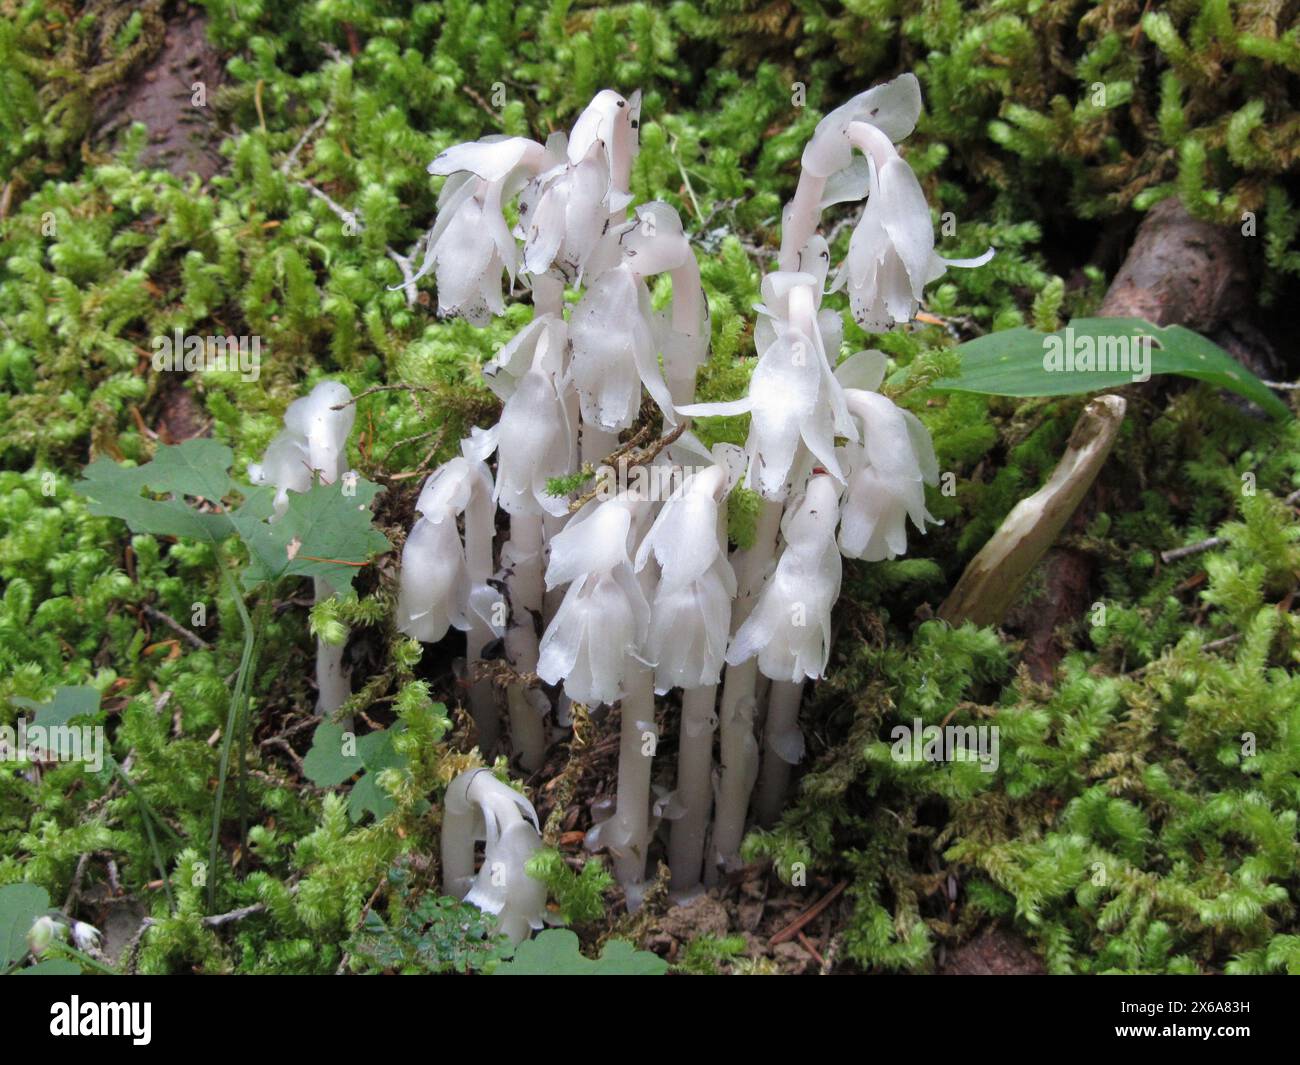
x: 614, y: 351
x: 690, y: 618
x: 478, y: 806
x: 543, y: 340
x: 793, y: 395
x: 534, y: 439
x: 86, y: 937
x: 888, y: 473
x: 789, y: 628
x: 313, y: 442
x: 566, y: 209
x: 829, y: 172
x: 470, y: 245
x: 891, y: 253
x: 614, y: 330
x: 601, y: 624
x: 612, y: 123
x: 444, y: 579
x: 323, y: 420
x: 597, y: 632
x: 284, y: 465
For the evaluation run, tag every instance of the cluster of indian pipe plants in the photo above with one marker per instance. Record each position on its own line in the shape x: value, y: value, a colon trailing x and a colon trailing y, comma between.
x: 101, y: 254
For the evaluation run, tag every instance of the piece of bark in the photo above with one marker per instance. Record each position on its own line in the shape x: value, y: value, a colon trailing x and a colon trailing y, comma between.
x: 1180, y: 271
x: 994, y: 577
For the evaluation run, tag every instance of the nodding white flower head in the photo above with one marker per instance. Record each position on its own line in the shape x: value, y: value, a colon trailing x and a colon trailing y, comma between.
x: 614, y: 351
x: 284, y: 465
x: 564, y: 211
x: 323, y: 420
x: 470, y: 245
x: 891, y: 253
x: 793, y: 394
x: 888, y: 472
x: 444, y: 580
x: 314, y: 441
x: 615, y: 333
x: 609, y: 124
x: 86, y: 937
x: 534, y: 439
x: 892, y: 108
x: 478, y: 806
x: 541, y: 344
x: 595, y: 636
x: 600, y: 627
x: 690, y: 618
x: 789, y: 628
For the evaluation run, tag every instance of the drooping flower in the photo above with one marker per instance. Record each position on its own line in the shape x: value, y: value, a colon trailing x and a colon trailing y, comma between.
x: 479, y: 807
x: 891, y: 253
x: 444, y: 580
x: 790, y: 626
x: 888, y: 472
x: 690, y: 618
x: 829, y: 172
x: 470, y: 245
x: 600, y: 627
x: 793, y: 395
x: 313, y: 443
x: 534, y: 439
x: 565, y: 211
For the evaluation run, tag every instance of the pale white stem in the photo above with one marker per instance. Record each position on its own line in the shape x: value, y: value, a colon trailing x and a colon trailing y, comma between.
x: 681, y: 384
x: 801, y: 219
x: 524, y: 586
x: 774, y: 778
x: 688, y: 318
x: 332, y: 682
x: 694, y: 789
x: 480, y: 527
x: 739, y: 749
x: 638, y: 738
x: 482, y: 698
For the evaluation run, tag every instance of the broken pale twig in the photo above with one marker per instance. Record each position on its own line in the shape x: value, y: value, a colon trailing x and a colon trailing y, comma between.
x: 995, y: 576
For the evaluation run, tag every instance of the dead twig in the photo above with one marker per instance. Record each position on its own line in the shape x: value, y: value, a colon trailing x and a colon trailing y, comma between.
x: 193, y: 638
x: 641, y: 458
x: 796, y: 926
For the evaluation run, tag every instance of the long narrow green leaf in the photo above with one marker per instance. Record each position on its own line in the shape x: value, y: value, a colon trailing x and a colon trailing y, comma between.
x: 1093, y: 354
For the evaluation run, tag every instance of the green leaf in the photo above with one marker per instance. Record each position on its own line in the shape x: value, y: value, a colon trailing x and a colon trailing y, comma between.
x: 1012, y: 362
x: 68, y: 703
x: 555, y: 953
x: 367, y: 796
x: 20, y: 905
x: 198, y: 469
x: 51, y: 967
x: 325, y: 765
x: 326, y: 532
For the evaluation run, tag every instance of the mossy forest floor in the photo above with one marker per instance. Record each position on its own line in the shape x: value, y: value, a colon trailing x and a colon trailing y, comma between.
x: 1144, y: 814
